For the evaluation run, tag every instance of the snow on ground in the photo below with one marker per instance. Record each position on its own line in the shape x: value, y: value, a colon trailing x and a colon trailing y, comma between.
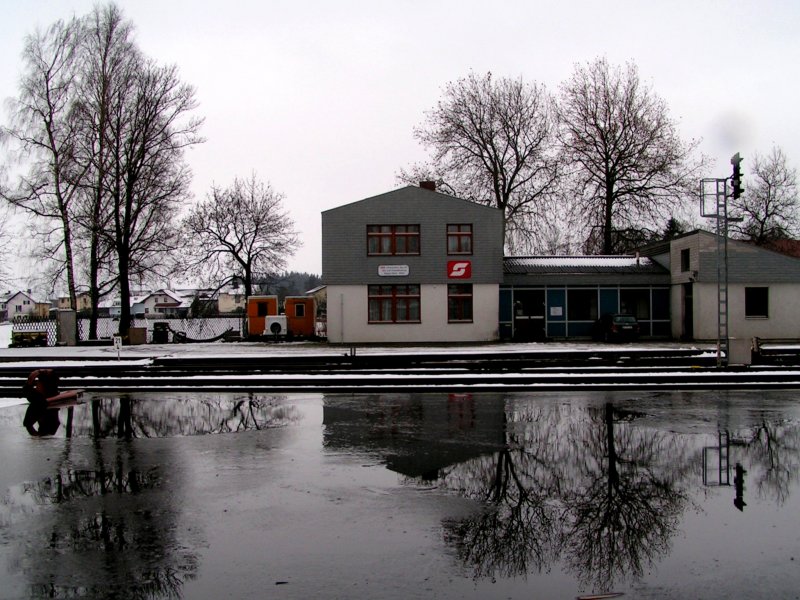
x: 222, y: 350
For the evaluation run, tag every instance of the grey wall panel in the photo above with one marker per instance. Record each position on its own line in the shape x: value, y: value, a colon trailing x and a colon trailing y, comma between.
x: 344, y: 238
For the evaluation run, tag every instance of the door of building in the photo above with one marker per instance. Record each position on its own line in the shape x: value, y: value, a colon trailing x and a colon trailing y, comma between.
x: 529, y: 312
x: 688, y: 312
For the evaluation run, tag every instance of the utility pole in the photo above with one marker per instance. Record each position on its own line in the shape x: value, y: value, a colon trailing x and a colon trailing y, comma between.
x: 714, y: 204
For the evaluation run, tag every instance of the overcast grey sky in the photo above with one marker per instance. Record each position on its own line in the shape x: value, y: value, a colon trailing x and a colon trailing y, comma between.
x: 321, y: 98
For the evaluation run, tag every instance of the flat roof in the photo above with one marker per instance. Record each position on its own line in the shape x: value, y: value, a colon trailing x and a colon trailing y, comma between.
x: 521, y: 265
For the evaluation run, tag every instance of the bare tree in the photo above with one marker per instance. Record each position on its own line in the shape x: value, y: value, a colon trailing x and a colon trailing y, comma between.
x: 770, y: 204
x: 6, y: 246
x: 492, y: 140
x: 109, y: 54
x: 44, y: 127
x: 629, y: 165
x: 103, y: 130
x: 150, y: 125
x: 239, y: 231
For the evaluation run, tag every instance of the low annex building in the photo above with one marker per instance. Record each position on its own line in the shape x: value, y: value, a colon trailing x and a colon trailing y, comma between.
x: 763, y: 292
x: 563, y: 296
x: 412, y: 265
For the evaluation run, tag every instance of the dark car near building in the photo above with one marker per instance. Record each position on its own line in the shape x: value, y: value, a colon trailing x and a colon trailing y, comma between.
x: 616, y: 328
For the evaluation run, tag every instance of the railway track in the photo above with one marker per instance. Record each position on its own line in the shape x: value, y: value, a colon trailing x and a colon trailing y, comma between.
x: 453, y: 373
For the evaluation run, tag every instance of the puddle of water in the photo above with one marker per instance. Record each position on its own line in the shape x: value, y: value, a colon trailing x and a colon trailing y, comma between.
x: 667, y: 495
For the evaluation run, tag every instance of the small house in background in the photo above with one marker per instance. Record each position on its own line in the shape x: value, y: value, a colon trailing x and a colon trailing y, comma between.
x: 196, y: 302
x: 164, y: 303
x: 22, y: 304
x: 230, y: 301
x: 83, y: 300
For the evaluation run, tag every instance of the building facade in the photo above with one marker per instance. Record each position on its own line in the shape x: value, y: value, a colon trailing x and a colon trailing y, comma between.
x: 763, y: 292
x: 563, y: 296
x: 412, y: 265
x: 22, y: 304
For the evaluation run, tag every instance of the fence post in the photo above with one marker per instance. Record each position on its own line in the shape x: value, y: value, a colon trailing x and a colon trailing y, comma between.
x: 67, y: 327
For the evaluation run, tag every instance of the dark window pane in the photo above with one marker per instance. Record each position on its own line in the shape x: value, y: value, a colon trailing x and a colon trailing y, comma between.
x: 582, y: 305
x: 756, y: 302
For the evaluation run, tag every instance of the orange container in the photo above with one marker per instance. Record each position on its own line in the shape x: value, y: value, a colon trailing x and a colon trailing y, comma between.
x: 301, y: 315
x: 258, y: 308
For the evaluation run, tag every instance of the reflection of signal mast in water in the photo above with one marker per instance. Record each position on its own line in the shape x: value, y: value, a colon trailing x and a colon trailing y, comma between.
x: 738, y: 483
x: 722, y: 451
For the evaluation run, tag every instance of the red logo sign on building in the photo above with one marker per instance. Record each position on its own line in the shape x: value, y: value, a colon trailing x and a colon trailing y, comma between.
x: 459, y: 269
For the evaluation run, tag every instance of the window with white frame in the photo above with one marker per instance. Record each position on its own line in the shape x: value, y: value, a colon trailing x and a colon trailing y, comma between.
x: 459, y: 239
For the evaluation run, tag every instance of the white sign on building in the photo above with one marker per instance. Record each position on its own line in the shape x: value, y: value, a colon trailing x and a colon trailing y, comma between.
x: 393, y: 270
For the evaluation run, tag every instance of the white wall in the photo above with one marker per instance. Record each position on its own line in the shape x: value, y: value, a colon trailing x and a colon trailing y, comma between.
x: 347, y: 317
x: 783, y: 321
x: 676, y: 311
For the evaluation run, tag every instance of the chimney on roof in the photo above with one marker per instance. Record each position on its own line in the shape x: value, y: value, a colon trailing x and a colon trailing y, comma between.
x: 428, y: 185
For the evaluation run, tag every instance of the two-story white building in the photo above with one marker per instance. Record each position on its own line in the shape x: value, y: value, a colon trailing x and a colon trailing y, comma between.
x: 22, y: 304
x: 412, y: 265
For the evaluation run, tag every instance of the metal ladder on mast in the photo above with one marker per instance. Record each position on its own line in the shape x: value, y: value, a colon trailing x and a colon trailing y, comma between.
x: 723, y: 345
x: 716, y: 191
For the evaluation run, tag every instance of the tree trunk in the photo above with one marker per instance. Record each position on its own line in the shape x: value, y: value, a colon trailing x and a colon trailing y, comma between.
x: 608, y: 243
x: 125, y: 297
x: 613, y: 474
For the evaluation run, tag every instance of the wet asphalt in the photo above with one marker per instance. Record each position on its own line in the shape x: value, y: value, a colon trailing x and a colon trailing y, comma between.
x: 404, y: 495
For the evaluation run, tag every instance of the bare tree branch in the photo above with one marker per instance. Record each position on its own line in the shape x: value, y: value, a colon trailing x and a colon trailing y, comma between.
x: 629, y: 167
x: 492, y: 141
x: 770, y: 204
x: 241, y: 230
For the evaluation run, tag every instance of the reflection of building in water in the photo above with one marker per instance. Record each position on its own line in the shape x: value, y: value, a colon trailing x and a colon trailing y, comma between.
x: 417, y: 435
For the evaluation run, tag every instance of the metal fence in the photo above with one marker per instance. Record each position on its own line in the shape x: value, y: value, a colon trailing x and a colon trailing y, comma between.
x: 190, y: 330
x: 31, y: 326
x: 205, y: 329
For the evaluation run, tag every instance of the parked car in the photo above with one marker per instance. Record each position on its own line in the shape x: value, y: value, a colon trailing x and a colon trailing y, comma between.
x: 616, y: 328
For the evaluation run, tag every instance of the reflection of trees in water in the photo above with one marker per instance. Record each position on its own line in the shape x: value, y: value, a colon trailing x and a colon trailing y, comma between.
x: 597, y: 492
x: 621, y: 518
x: 154, y: 416
x: 106, y: 524
x: 520, y: 528
x: 69, y: 484
x: 518, y: 531
x: 772, y: 451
